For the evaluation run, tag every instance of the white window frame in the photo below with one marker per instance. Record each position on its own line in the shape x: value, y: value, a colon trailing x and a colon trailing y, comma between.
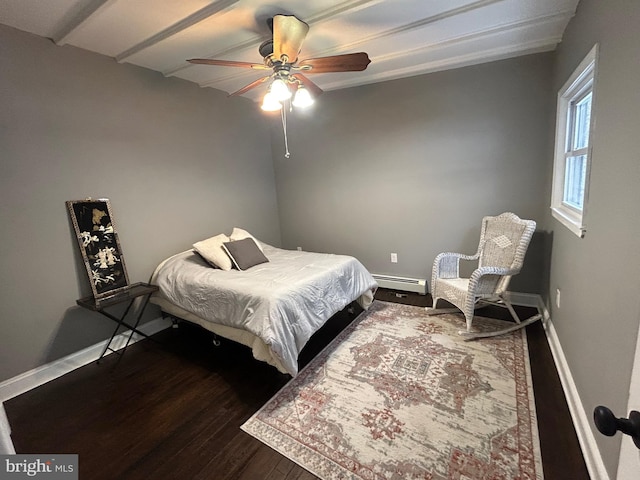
x: 579, y: 83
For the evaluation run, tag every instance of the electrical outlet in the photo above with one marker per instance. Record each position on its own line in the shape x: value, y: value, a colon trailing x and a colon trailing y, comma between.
x: 299, y: 249
x: 394, y: 258
x: 557, y: 297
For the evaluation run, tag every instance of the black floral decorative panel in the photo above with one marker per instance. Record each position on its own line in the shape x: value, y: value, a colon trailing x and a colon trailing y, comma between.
x: 99, y: 245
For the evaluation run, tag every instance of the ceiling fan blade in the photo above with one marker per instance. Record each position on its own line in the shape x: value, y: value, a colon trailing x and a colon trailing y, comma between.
x: 228, y: 63
x: 288, y: 35
x: 350, y: 62
x: 314, y: 89
x: 253, y: 84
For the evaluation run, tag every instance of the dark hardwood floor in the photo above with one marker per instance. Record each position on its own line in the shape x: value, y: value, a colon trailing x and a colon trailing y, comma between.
x: 172, y: 409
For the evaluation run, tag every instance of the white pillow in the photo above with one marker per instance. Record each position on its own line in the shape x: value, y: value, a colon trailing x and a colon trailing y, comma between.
x: 239, y: 234
x: 212, y: 251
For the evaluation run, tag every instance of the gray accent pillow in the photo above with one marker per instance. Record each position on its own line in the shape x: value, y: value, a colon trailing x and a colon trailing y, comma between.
x: 244, y: 253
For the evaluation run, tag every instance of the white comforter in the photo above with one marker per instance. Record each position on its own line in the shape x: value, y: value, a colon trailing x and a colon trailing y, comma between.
x: 283, y: 302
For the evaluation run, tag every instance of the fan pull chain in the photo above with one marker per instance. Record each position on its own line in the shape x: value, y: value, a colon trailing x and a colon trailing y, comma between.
x: 283, y: 115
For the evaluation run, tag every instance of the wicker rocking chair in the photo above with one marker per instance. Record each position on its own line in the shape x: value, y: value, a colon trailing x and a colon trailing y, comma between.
x: 503, y: 243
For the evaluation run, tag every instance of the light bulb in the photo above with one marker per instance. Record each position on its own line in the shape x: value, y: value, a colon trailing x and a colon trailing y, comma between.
x: 302, y: 98
x: 280, y: 90
x: 270, y: 103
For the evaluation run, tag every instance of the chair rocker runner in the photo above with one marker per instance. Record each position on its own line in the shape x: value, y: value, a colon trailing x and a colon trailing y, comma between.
x: 504, y: 240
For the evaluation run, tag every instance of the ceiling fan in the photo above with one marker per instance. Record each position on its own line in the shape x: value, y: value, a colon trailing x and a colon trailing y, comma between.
x: 281, y: 56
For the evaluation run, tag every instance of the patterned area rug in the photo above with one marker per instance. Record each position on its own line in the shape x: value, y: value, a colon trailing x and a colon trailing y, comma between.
x: 400, y: 395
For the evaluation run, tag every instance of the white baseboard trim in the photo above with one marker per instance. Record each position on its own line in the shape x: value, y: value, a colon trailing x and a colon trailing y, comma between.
x: 6, y: 445
x: 588, y: 445
x: 38, y: 376
x: 590, y: 450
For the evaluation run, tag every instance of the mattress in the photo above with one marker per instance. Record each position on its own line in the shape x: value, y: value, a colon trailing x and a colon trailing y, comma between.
x: 273, y: 307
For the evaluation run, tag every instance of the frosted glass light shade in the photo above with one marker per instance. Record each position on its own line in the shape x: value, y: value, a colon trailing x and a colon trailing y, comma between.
x: 302, y: 98
x: 280, y: 90
x: 270, y: 103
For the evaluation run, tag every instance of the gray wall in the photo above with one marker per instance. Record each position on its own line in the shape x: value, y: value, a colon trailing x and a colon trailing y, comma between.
x: 178, y: 163
x: 599, y: 275
x: 411, y: 166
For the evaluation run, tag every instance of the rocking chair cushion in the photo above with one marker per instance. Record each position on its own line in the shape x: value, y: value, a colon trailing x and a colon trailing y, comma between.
x: 455, y: 289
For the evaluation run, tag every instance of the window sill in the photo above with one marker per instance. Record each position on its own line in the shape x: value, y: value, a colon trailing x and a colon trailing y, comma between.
x: 572, y: 224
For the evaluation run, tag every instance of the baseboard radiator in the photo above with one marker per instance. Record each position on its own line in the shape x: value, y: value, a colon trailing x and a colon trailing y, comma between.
x: 418, y: 285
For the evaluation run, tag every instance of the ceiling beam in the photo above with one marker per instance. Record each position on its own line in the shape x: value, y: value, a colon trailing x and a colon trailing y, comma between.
x: 76, y: 18
x: 194, y: 18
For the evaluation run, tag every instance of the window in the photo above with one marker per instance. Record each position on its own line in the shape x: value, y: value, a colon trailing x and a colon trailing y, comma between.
x: 572, y: 159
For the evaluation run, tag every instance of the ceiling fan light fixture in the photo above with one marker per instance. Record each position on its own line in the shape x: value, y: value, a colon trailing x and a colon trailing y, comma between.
x: 280, y: 90
x: 280, y: 54
x: 302, y: 98
x: 270, y: 103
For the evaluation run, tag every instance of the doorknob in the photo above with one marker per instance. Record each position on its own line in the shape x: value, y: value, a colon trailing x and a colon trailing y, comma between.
x: 608, y: 424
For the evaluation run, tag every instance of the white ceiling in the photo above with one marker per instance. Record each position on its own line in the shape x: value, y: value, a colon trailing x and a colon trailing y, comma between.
x: 402, y: 37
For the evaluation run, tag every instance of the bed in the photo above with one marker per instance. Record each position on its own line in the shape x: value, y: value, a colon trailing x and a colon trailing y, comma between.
x: 273, y: 307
